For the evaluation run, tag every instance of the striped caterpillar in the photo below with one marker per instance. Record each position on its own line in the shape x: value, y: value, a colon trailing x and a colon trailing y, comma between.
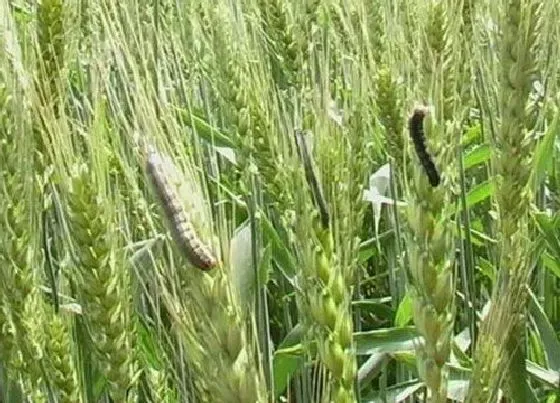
x: 160, y: 170
x: 416, y: 129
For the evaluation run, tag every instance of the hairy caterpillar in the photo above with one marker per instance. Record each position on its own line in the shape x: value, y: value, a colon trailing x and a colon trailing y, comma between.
x: 159, y: 170
x: 416, y: 129
x: 311, y: 177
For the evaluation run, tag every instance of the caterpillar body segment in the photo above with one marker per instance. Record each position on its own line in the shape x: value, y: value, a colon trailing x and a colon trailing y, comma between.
x: 416, y: 130
x: 163, y: 175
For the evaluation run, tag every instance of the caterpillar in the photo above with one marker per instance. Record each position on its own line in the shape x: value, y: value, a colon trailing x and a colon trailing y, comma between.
x: 416, y: 129
x: 159, y: 169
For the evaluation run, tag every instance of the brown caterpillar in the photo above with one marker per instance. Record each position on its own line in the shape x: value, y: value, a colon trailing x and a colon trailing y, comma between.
x: 416, y: 129
x: 158, y: 169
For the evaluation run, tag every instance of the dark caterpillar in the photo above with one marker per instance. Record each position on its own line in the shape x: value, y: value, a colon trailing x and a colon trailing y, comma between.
x: 416, y: 129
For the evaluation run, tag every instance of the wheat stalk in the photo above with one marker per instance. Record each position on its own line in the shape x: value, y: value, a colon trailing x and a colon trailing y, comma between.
x: 103, y: 281
x: 520, y: 23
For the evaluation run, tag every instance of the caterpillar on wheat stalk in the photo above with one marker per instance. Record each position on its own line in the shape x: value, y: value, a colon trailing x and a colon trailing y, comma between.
x: 160, y: 171
x: 416, y: 129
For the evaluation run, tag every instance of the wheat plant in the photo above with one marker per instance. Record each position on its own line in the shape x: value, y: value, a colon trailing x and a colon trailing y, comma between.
x: 277, y: 201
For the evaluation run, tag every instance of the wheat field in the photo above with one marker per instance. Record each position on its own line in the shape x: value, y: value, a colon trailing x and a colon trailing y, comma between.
x: 279, y: 201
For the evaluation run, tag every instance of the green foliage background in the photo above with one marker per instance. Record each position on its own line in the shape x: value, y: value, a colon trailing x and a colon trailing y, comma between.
x: 343, y: 275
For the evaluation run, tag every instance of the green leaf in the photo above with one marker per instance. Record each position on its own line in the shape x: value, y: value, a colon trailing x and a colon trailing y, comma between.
x: 408, y: 358
x: 471, y: 135
x: 549, y: 228
x: 546, y: 376
x: 365, y: 254
x: 544, y: 154
x: 477, y: 156
x: 519, y: 389
x: 480, y: 238
x: 547, y: 333
x: 390, y: 340
x: 551, y: 264
x: 404, y: 311
x: 369, y: 248
x: 264, y: 266
x: 397, y: 393
x: 487, y: 269
x: 378, y: 307
x: 294, y: 337
x: 288, y: 359
x: 148, y: 345
x: 480, y: 193
x: 371, y: 368
x: 280, y: 253
x: 206, y: 131
x: 286, y: 363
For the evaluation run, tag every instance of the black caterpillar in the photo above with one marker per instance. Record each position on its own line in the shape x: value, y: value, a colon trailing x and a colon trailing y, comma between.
x: 416, y: 129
